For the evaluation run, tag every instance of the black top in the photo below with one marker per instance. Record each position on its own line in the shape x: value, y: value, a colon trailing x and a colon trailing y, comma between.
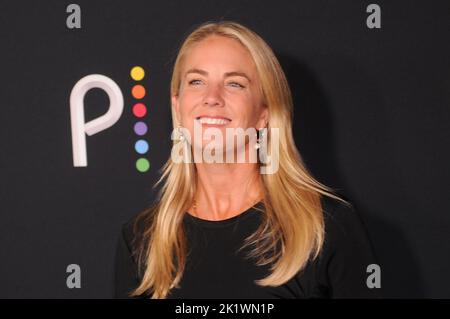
x: 215, y: 270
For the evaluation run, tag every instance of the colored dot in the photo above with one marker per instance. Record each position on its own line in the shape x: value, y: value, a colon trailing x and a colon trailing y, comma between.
x: 137, y: 73
x: 139, y: 110
x: 140, y: 128
x: 141, y: 146
x: 138, y: 91
x: 142, y: 165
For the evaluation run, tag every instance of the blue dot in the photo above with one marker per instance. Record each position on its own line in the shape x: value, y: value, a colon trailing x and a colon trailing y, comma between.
x: 141, y: 146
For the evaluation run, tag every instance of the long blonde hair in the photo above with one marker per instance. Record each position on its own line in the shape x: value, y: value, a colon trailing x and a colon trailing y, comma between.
x: 292, y: 228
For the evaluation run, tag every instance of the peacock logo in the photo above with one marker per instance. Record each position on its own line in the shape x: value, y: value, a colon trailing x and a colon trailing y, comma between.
x: 80, y: 129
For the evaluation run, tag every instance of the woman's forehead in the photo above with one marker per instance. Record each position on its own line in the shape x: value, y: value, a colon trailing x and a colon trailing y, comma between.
x: 219, y: 54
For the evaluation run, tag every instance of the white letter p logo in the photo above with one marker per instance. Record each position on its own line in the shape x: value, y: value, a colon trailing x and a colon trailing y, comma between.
x: 79, y: 128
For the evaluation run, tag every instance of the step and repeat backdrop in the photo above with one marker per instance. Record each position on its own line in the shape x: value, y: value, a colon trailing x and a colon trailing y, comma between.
x: 86, y: 124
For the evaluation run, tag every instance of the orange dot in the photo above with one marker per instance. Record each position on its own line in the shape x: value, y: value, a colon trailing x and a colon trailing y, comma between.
x: 138, y: 91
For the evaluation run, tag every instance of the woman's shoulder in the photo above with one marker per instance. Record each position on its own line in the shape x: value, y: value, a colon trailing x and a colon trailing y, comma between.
x: 342, y: 220
x: 133, y: 230
x: 347, y: 251
x: 346, y: 234
x: 128, y: 269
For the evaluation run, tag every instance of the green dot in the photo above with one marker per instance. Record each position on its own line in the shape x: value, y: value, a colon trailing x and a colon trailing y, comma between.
x: 142, y: 165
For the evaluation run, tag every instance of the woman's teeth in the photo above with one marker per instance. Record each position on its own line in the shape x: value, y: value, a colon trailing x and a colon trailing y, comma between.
x: 208, y: 120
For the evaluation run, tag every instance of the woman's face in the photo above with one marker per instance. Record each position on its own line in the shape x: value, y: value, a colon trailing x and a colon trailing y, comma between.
x: 219, y: 81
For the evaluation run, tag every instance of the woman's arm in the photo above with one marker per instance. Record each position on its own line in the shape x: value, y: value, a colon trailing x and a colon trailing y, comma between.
x: 342, y: 268
x: 125, y: 276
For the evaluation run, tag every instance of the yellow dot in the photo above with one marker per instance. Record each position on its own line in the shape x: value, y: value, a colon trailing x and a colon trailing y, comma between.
x: 137, y: 73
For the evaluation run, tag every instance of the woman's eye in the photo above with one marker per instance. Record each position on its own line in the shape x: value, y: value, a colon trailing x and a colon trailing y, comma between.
x: 235, y: 84
x: 191, y: 82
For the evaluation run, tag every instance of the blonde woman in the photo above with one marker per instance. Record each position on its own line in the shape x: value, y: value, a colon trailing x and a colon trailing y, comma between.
x: 225, y: 229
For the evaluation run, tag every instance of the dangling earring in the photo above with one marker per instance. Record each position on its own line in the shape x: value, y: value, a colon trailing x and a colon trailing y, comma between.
x: 180, y: 134
x: 261, y: 132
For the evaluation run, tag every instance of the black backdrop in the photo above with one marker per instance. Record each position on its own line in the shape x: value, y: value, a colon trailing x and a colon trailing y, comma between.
x: 371, y: 119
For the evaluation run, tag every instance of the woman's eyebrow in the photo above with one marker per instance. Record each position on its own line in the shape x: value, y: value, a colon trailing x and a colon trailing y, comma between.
x: 227, y: 74
x: 237, y: 73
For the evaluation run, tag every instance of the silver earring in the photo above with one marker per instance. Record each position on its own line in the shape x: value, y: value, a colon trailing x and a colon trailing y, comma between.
x: 262, y: 132
x: 181, y: 136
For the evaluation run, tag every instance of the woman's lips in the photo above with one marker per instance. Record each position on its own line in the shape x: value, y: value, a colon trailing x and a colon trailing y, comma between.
x: 213, y: 120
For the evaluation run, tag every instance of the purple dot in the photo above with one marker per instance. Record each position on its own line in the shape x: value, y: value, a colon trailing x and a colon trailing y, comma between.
x: 140, y: 128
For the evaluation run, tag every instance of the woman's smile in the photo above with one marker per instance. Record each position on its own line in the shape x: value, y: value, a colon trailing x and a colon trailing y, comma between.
x: 213, y: 121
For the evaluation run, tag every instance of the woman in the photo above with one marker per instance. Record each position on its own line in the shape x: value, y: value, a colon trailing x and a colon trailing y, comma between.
x: 224, y: 229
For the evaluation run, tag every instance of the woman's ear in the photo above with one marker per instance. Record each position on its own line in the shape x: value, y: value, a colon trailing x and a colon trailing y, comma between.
x: 264, y: 117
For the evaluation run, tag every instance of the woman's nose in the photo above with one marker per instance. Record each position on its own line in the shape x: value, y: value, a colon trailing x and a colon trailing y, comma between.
x: 213, y: 96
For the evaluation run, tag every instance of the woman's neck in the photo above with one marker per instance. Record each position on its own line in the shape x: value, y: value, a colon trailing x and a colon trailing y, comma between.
x: 225, y: 190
